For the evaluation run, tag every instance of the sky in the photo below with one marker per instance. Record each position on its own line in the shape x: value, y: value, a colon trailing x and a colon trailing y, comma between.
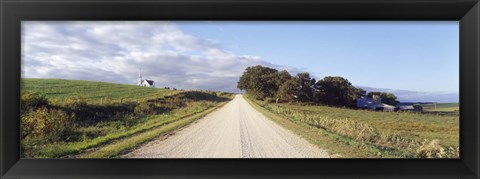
x: 418, y: 61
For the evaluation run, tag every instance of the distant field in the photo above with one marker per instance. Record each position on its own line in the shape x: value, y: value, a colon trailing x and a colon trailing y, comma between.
x: 442, y: 107
x: 373, y: 134
x: 92, y: 92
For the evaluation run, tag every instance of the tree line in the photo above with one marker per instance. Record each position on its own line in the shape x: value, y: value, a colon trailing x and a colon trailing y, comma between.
x: 265, y: 83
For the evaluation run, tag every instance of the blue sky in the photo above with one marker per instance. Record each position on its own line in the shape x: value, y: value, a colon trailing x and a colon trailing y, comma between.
x: 417, y: 56
x: 418, y: 61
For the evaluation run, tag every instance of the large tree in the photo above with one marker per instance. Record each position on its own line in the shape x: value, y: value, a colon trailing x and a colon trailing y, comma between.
x: 306, y: 87
x: 289, y: 90
x: 387, y: 98
x: 259, y: 81
x: 336, y: 91
x: 281, y: 77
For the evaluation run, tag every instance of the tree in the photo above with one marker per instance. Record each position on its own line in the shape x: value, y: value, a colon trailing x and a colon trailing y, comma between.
x: 336, y: 91
x: 387, y: 98
x: 361, y: 93
x: 418, y: 107
x: 259, y: 81
x: 306, y: 87
x: 281, y: 77
x: 289, y: 90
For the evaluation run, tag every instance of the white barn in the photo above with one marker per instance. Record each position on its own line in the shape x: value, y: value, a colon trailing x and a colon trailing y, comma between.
x: 146, y: 83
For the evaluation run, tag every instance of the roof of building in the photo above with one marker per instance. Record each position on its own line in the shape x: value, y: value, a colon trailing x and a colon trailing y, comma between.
x: 382, y: 105
x: 365, y: 102
x: 405, y: 107
x: 371, y: 103
x: 150, y: 82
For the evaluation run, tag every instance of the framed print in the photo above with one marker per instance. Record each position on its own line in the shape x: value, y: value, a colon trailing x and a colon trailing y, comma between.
x: 239, y: 89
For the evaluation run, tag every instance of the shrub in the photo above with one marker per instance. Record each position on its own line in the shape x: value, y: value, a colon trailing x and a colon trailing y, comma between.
x: 418, y: 107
x: 106, y: 100
x: 175, y: 102
x: 144, y: 108
x: 269, y: 100
x: 47, y: 125
x: 149, y: 108
x: 219, y: 93
x: 75, y: 102
x: 30, y: 101
x: 431, y: 149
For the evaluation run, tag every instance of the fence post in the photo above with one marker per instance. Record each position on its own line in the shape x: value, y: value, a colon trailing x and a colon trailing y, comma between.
x: 101, y: 100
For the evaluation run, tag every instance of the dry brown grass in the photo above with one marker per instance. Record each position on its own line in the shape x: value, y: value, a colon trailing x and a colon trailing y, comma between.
x: 373, y: 129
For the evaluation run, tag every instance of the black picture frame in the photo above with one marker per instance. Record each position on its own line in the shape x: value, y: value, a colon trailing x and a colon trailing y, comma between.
x: 467, y: 12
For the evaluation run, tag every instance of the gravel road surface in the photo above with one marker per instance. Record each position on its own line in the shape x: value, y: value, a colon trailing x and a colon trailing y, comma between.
x: 235, y: 130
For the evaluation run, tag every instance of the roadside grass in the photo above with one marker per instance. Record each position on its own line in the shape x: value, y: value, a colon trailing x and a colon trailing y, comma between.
x: 442, y: 107
x: 124, y: 145
x: 388, y: 135
x: 336, y: 145
x: 91, y: 124
x: 117, y: 131
x: 413, y: 125
x: 62, y: 149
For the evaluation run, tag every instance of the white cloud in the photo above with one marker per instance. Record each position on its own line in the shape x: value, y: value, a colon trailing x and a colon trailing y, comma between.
x: 114, y: 52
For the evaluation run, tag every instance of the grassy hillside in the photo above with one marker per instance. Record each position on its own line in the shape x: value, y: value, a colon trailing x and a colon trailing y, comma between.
x: 372, y: 134
x: 442, y: 107
x: 92, y: 92
x: 64, y: 118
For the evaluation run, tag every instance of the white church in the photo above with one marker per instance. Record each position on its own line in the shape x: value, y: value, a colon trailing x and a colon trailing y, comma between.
x: 146, y: 83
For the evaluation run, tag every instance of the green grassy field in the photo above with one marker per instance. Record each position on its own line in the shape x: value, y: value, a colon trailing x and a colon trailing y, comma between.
x: 373, y: 134
x: 441, y: 107
x: 92, y: 92
x: 107, y: 129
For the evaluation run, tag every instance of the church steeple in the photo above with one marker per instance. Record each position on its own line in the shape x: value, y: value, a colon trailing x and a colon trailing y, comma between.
x: 144, y: 82
x: 140, y: 77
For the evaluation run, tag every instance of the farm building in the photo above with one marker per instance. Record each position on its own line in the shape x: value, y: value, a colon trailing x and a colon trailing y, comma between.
x: 385, y: 107
x: 146, y: 83
x: 404, y: 107
x: 369, y: 103
x: 374, y: 103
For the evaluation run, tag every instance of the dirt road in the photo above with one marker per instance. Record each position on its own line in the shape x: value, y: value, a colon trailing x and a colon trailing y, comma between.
x: 236, y: 130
